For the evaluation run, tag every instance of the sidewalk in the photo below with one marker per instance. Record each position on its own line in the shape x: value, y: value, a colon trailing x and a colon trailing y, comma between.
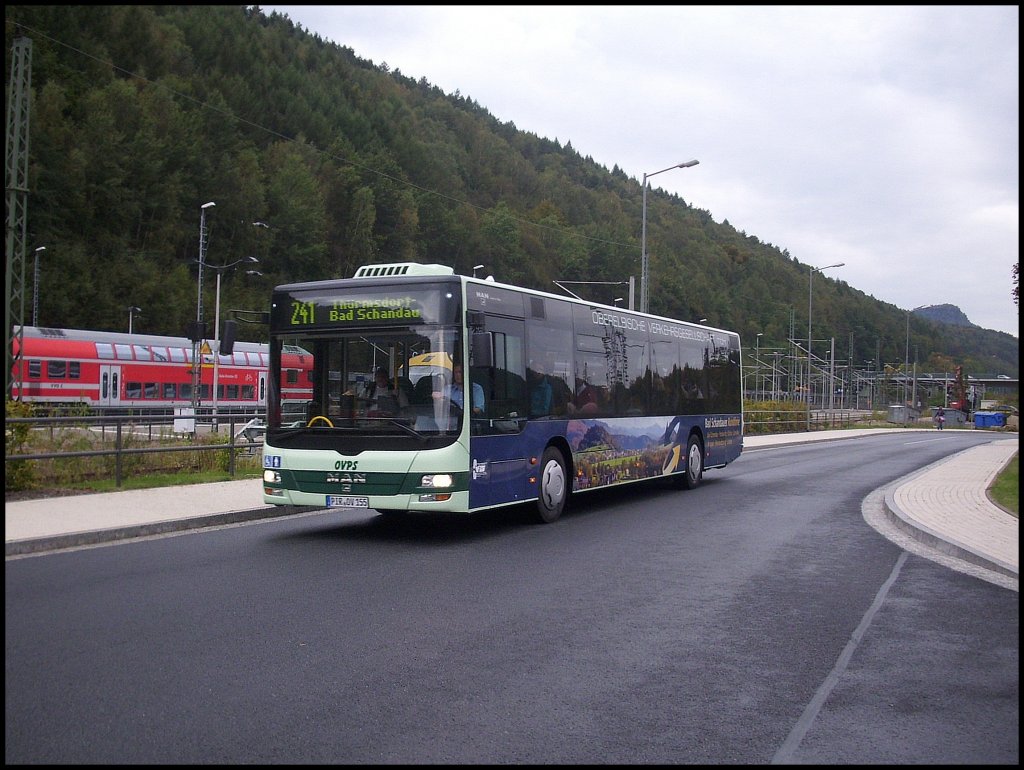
x: 944, y: 506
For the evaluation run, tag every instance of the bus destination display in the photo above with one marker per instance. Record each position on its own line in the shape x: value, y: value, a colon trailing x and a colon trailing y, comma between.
x: 297, y: 310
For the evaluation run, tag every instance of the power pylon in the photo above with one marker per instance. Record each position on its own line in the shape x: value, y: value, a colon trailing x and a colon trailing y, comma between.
x: 16, y: 181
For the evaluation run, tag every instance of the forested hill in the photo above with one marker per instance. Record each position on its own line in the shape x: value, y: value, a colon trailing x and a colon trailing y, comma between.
x: 142, y: 114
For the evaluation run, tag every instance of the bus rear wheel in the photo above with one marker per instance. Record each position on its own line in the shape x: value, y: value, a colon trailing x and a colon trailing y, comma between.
x: 554, y: 486
x: 694, y: 463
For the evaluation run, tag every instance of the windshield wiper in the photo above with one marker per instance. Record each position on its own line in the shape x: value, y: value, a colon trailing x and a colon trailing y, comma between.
x: 408, y: 429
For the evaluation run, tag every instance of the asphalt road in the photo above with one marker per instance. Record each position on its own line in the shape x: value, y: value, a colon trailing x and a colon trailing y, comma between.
x: 757, y: 619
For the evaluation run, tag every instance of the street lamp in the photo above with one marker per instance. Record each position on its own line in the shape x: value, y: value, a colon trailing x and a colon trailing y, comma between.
x: 132, y: 309
x: 216, y: 331
x: 197, y: 371
x: 35, y: 288
x: 202, y: 258
x: 644, y: 270
x: 810, y: 278
x: 757, y: 360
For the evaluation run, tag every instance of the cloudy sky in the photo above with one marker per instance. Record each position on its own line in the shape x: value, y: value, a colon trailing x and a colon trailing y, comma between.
x: 886, y: 138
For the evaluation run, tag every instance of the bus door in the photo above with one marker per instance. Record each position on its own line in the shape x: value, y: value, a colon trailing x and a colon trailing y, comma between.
x: 498, y: 462
x: 110, y: 384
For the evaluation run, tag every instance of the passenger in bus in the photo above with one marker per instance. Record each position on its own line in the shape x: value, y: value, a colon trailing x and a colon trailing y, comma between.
x: 586, y: 398
x: 541, y: 392
x: 455, y: 392
x: 382, y: 397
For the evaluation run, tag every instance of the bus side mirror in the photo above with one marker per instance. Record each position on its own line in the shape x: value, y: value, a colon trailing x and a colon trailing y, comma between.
x: 480, y: 349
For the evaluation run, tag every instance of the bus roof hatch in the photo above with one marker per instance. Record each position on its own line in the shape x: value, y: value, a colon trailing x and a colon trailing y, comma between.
x: 401, y: 268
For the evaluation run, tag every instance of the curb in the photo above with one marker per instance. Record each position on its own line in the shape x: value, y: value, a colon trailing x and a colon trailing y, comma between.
x: 98, y: 537
x: 942, y: 543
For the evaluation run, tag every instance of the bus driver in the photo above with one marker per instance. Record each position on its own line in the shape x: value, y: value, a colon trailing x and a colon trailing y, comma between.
x: 456, y: 394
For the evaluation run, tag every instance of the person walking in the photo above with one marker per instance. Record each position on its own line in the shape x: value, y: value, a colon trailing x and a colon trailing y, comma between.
x: 940, y: 418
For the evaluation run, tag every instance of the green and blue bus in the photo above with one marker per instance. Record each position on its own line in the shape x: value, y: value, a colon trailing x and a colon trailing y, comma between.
x: 564, y: 396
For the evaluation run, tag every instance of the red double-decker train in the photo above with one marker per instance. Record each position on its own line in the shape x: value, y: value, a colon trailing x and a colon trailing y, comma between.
x: 110, y: 370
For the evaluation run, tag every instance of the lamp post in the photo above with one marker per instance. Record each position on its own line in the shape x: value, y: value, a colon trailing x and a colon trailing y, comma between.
x: 475, y: 268
x: 757, y: 361
x: 644, y: 270
x: 810, y: 282
x: 197, y: 370
x: 216, y: 331
x: 775, y: 376
x: 132, y: 309
x: 35, y: 288
x: 906, y: 362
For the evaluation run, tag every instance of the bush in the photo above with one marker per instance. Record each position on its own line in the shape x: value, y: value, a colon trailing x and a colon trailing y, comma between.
x: 761, y: 417
x: 18, y: 475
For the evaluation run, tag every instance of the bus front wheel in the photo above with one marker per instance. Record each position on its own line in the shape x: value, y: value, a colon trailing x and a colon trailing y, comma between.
x: 554, y: 486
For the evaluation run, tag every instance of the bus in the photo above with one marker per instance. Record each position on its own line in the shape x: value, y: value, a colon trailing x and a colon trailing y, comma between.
x: 563, y: 396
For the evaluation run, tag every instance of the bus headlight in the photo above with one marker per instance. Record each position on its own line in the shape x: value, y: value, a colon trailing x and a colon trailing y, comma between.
x: 437, y: 480
x: 272, y: 477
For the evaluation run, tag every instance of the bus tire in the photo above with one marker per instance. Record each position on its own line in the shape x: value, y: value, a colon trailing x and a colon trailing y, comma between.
x: 694, y: 462
x: 554, y: 486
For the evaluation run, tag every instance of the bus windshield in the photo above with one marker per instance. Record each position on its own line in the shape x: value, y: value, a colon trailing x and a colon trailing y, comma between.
x: 369, y: 363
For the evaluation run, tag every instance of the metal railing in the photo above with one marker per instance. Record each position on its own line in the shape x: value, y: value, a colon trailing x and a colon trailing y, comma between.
x: 767, y: 421
x: 249, y: 431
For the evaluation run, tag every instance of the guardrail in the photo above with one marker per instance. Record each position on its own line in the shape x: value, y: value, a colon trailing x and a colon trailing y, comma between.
x: 251, y: 431
x: 767, y: 421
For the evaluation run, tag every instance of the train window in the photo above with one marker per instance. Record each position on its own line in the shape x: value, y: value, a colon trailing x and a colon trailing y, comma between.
x: 233, y: 391
x: 170, y: 390
x: 74, y: 370
x: 177, y: 355
x: 133, y: 390
x: 35, y: 369
x: 105, y: 351
x: 264, y: 361
x: 292, y: 376
x: 204, y: 392
x: 159, y: 354
x: 248, y: 392
x: 142, y: 353
x: 56, y: 370
x: 254, y: 359
x: 238, y: 359
x: 123, y: 352
x: 185, y: 390
x: 151, y: 390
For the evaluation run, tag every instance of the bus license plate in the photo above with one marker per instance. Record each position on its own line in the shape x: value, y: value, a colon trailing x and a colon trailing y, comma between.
x: 346, y: 501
